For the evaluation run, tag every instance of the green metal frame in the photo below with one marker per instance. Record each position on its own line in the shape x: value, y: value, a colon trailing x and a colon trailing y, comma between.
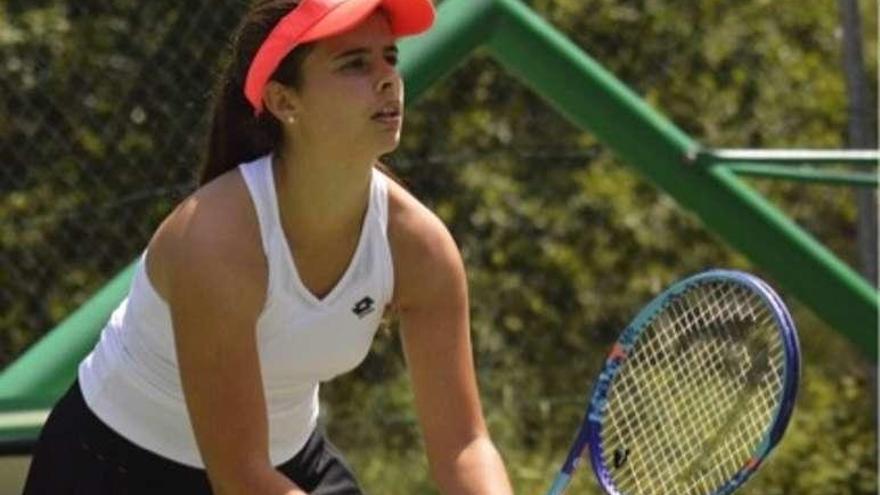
x: 863, y: 158
x: 580, y: 89
x: 797, y: 165
x: 800, y: 174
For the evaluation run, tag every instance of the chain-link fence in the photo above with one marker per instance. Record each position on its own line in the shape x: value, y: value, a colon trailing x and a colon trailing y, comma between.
x: 101, y: 119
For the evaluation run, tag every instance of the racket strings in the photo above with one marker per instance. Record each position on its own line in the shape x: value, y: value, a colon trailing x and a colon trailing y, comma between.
x: 696, y: 394
x: 688, y: 404
x: 714, y: 419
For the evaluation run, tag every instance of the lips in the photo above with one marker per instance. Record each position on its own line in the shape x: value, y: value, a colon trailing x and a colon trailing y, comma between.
x: 389, y: 111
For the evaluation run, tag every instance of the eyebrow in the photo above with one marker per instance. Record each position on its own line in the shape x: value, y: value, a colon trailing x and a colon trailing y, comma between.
x: 362, y: 51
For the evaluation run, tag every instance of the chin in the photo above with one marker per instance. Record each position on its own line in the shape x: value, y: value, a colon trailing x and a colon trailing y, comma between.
x: 390, y: 145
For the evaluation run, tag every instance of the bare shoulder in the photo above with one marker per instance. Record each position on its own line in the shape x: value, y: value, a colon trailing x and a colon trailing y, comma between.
x: 427, y: 262
x: 212, y: 235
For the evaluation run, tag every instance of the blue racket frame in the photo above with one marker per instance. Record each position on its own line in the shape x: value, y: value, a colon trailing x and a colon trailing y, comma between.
x: 589, y: 435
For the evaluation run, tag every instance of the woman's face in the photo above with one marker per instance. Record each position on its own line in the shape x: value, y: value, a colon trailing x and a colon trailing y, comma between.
x: 351, y: 94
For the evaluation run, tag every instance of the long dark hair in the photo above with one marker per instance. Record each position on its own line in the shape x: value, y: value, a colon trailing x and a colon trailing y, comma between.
x: 236, y: 135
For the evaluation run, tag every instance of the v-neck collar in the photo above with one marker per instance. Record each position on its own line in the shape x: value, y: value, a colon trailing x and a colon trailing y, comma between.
x: 304, y: 291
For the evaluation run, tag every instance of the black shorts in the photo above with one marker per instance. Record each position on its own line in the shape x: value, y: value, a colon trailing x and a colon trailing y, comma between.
x: 78, y: 454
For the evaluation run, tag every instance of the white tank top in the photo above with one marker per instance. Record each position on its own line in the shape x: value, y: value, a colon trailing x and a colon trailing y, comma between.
x: 131, y: 379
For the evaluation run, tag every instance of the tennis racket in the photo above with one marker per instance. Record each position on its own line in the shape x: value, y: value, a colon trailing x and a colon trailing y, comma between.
x: 696, y: 392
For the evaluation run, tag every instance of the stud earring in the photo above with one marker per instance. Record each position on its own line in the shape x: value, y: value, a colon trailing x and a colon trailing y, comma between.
x: 291, y: 120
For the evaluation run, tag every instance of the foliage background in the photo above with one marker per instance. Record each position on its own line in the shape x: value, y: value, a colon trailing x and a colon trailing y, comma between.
x: 101, y: 122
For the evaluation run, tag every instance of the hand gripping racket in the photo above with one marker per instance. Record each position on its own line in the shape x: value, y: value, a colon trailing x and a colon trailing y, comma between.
x: 695, y: 393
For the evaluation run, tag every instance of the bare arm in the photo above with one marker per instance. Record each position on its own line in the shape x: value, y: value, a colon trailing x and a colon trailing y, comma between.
x: 215, y: 286
x: 432, y: 302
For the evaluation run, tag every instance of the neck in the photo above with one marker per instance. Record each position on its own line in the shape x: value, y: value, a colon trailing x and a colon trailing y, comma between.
x: 322, y: 194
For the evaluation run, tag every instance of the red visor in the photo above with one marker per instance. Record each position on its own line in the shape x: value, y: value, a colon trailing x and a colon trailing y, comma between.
x: 316, y: 19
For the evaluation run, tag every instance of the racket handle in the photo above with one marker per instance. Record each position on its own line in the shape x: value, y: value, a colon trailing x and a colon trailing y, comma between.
x: 560, y: 484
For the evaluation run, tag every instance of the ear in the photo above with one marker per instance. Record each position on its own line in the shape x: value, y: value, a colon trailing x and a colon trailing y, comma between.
x: 282, y: 101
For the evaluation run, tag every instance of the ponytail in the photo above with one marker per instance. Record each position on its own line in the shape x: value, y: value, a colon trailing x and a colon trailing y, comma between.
x: 236, y: 135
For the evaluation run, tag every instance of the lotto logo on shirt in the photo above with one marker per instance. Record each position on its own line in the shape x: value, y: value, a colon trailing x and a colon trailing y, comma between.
x: 364, y: 307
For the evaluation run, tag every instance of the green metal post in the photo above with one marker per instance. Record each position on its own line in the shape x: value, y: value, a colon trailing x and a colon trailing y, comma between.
x: 592, y: 98
x: 461, y: 27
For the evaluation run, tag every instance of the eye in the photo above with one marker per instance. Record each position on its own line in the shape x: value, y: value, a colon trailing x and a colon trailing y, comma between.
x: 355, y: 64
x: 391, y: 58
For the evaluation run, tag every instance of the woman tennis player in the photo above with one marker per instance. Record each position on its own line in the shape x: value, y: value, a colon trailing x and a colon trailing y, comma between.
x: 271, y: 278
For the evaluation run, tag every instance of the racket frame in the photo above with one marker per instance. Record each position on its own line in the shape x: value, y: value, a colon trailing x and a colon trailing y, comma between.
x: 589, y: 437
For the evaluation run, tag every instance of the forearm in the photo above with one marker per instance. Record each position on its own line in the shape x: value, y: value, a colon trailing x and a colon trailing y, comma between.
x: 264, y: 480
x: 477, y: 469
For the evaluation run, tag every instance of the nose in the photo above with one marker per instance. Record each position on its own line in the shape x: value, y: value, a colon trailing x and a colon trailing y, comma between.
x: 388, y: 80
